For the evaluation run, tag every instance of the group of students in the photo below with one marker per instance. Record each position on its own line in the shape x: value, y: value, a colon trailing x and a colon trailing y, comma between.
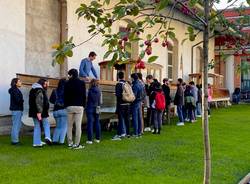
x: 70, y: 100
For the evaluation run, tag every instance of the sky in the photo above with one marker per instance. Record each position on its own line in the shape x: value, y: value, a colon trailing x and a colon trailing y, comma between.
x: 223, y: 4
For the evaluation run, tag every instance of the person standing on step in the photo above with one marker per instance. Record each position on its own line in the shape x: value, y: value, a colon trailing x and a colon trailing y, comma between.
x: 93, y: 112
x: 16, y: 108
x: 59, y: 113
x: 87, y: 65
x: 39, y: 111
x: 124, y: 97
x: 179, y: 101
x: 75, y: 101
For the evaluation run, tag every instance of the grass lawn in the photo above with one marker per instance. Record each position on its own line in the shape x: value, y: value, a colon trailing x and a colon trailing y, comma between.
x: 176, y: 156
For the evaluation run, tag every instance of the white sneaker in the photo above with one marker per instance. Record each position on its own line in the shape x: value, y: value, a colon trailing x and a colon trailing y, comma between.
x: 76, y: 147
x: 147, y: 129
x: 198, y: 116
x: 97, y: 141
x: 187, y: 119
x: 37, y: 145
x: 123, y: 136
x: 180, y: 124
x: 70, y: 145
x: 43, y: 143
x: 116, y: 138
x: 89, y: 142
x: 193, y: 121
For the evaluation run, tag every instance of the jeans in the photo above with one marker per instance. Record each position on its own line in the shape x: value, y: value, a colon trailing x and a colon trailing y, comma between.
x: 16, y: 125
x: 190, y: 110
x: 157, y: 118
x: 179, y: 112
x: 93, y: 120
x: 148, y: 118
x: 124, y: 119
x: 75, y: 114
x: 198, y: 108
x: 136, y: 118
x: 61, y: 125
x: 37, y: 130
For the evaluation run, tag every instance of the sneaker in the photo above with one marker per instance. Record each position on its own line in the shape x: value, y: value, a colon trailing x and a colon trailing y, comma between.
x: 147, y: 129
x: 37, y: 145
x: 123, y: 136
x: 180, y: 124
x: 116, y: 138
x: 193, y: 121
x: 76, y: 147
x: 70, y: 145
x: 15, y: 143
x: 198, y: 116
x: 97, y: 140
x: 135, y: 136
x: 48, y: 141
x: 43, y: 143
x: 89, y: 142
x: 187, y: 119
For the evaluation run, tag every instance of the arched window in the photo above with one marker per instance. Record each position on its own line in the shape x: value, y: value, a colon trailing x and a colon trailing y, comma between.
x: 172, y: 60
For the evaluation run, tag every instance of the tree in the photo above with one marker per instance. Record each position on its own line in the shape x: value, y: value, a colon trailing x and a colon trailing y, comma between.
x: 141, y: 15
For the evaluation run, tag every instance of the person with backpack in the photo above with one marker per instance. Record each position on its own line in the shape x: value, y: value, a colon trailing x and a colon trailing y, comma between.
x: 39, y: 111
x: 166, y: 91
x: 74, y: 101
x: 157, y: 107
x: 16, y: 108
x: 93, y: 112
x: 59, y: 113
x: 190, y: 103
x: 136, y: 105
x: 179, y: 101
x: 124, y: 98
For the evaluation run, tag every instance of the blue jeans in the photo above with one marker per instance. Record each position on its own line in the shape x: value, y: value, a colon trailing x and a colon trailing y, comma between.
x: 93, y: 120
x: 61, y: 125
x: 136, y: 118
x: 16, y: 125
x: 124, y: 120
x: 184, y: 112
x: 37, y: 130
x: 179, y: 112
x: 198, y: 108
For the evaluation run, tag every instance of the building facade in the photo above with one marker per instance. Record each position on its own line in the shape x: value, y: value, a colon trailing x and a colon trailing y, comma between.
x: 30, y: 27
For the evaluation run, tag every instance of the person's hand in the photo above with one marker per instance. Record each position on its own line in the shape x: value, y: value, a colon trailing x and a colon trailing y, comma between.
x: 39, y: 116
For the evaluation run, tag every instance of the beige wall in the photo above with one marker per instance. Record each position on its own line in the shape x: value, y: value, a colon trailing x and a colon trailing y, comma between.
x: 42, y: 31
x: 12, y: 46
x: 78, y: 29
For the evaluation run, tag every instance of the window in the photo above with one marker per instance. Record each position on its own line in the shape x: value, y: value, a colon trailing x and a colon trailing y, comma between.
x: 170, y: 66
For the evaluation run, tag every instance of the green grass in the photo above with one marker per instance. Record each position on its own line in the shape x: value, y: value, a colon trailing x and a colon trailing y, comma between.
x: 176, y: 156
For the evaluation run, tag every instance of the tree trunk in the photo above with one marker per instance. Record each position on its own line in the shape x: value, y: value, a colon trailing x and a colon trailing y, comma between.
x: 205, y: 123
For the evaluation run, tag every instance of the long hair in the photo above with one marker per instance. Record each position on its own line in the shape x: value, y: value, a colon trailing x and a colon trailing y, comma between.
x: 94, y: 83
x: 14, y: 82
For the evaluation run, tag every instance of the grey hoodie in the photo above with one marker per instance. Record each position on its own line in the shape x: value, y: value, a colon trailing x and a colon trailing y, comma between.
x: 39, y: 97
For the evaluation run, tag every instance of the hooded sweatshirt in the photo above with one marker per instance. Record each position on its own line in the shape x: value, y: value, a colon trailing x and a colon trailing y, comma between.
x: 94, y: 98
x: 38, y: 101
x: 16, y: 99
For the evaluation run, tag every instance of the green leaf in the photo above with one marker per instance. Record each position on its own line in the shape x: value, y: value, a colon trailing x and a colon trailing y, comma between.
x: 163, y: 4
x: 107, y: 55
x: 130, y: 23
x: 171, y: 35
x: 248, y: 2
x: 152, y: 59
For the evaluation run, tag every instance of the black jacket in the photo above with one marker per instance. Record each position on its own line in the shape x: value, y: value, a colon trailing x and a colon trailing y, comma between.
x: 179, y: 96
x: 118, y: 93
x: 38, y: 101
x: 75, y: 93
x: 166, y: 91
x: 16, y: 99
x: 57, y: 99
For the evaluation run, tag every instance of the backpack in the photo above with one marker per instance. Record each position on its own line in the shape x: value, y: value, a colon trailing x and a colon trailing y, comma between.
x: 160, y: 103
x: 127, y: 93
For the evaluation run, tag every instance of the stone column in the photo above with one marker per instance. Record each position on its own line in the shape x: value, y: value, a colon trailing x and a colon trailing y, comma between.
x: 229, y: 77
